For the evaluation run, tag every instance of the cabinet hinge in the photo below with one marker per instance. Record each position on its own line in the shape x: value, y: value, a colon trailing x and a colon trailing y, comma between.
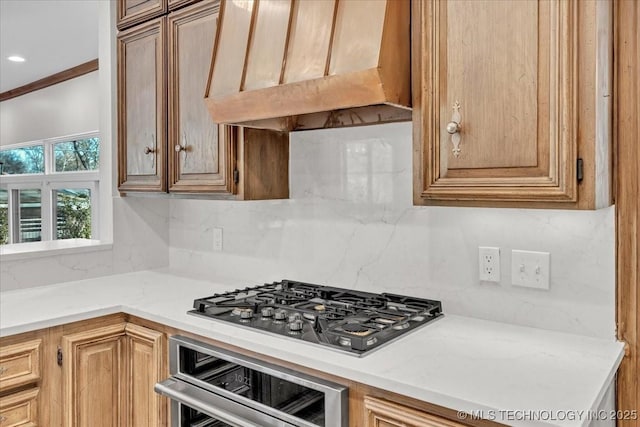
x: 59, y: 356
x: 236, y: 176
x: 580, y: 170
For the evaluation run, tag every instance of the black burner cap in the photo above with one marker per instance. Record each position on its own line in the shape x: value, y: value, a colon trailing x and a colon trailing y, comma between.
x: 354, y: 327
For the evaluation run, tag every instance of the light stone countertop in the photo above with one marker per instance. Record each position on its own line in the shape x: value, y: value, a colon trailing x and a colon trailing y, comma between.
x: 457, y: 362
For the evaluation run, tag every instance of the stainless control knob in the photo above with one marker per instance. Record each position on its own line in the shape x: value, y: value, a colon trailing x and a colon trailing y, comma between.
x: 280, y: 315
x: 293, y: 317
x: 453, y: 127
x: 246, y: 314
x: 296, y: 325
x: 267, y: 312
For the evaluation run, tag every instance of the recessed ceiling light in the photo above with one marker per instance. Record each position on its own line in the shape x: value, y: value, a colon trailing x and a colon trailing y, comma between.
x: 15, y: 58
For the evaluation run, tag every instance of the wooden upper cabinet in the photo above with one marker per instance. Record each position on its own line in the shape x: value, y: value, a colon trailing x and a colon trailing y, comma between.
x: 142, y: 107
x: 175, y: 4
x: 131, y: 12
x: 166, y: 138
x: 512, y: 103
x: 199, y: 150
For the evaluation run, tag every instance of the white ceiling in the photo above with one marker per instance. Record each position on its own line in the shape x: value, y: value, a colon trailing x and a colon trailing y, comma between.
x: 52, y: 35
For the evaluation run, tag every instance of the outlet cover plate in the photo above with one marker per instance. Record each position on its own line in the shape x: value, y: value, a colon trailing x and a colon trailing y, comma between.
x: 489, y: 264
x: 217, y: 239
x: 530, y: 269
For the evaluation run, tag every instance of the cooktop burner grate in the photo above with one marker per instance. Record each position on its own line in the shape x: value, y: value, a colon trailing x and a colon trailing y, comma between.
x: 352, y: 321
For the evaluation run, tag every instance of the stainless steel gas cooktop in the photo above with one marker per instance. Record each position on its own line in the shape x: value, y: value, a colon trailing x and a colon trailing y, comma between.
x: 352, y: 321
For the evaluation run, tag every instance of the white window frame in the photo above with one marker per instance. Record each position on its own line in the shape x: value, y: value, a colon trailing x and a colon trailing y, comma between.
x: 47, y: 183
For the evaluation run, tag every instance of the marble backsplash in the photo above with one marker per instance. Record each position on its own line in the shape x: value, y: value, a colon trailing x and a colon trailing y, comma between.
x: 350, y: 222
x: 140, y: 242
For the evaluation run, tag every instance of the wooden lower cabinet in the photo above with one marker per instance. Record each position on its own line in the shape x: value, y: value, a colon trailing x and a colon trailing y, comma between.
x: 91, y: 370
x: 20, y: 409
x: 20, y: 381
x: 143, y: 366
x: 102, y: 371
x: 109, y: 373
x: 382, y: 413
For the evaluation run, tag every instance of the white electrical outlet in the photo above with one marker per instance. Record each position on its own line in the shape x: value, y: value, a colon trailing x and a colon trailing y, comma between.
x: 530, y: 269
x: 217, y: 239
x: 489, y: 262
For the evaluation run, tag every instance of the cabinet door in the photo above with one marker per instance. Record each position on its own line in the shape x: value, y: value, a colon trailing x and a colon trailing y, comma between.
x: 496, y: 100
x: 92, y: 374
x: 142, y: 108
x: 382, y: 413
x: 131, y: 12
x: 144, y: 356
x: 200, y: 158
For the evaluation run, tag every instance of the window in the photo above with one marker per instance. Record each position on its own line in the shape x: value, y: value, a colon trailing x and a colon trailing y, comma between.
x: 49, y: 190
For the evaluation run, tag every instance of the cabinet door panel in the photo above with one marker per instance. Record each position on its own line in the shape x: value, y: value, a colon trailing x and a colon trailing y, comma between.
x: 506, y: 72
x: 382, y: 413
x: 131, y: 12
x: 145, y: 367
x: 200, y: 149
x: 491, y: 71
x: 91, y: 366
x: 142, y: 103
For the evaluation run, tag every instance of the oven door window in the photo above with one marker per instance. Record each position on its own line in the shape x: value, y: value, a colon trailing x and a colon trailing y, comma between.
x: 293, y: 399
x: 190, y: 417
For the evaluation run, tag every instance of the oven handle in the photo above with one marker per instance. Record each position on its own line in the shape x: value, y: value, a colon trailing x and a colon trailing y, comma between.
x: 225, y: 410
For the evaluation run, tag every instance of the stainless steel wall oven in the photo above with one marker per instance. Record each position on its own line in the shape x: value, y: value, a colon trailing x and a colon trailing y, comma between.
x: 214, y: 387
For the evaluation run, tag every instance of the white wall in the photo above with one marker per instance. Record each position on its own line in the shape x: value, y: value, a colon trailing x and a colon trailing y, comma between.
x: 350, y: 223
x: 70, y: 107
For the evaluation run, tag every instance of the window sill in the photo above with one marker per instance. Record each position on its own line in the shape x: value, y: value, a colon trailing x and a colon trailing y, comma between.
x: 50, y: 248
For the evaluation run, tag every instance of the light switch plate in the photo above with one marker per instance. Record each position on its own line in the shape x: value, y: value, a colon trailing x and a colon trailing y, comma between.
x: 530, y: 269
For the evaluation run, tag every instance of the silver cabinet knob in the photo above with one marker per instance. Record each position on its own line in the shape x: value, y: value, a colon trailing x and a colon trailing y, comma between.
x: 180, y: 148
x: 453, y: 127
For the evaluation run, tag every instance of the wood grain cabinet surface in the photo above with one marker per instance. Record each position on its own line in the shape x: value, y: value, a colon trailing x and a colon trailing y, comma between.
x: 19, y: 364
x: 383, y: 413
x: 20, y: 409
x: 167, y: 141
x: 200, y: 150
x: 142, y: 107
x: 108, y: 376
x: 512, y: 102
x: 131, y: 12
x: 20, y: 367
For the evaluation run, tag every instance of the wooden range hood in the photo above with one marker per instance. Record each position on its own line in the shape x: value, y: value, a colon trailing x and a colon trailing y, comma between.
x: 309, y: 64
